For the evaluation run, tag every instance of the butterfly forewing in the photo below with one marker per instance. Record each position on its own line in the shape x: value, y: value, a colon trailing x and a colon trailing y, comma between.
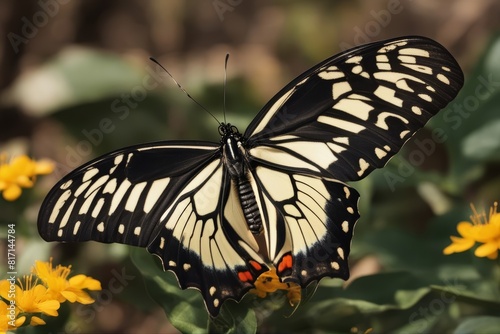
x: 351, y: 113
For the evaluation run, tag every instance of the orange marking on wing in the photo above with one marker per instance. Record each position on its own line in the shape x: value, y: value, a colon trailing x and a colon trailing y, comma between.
x: 256, y: 265
x: 286, y: 262
x: 245, y: 276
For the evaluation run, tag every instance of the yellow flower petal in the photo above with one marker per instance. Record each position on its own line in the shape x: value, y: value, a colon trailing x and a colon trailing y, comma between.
x: 43, y: 167
x: 4, y: 289
x: 49, y: 307
x: 458, y: 245
x: 24, y: 181
x: 20, y: 321
x: 12, y: 192
x: 85, y: 282
x: 486, y: 249
x: 493, y: 256
x: 35, y: 321
x: 464, y: 228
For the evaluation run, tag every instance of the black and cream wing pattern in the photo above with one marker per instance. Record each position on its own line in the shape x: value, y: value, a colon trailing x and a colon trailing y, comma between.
x: 202, y: 207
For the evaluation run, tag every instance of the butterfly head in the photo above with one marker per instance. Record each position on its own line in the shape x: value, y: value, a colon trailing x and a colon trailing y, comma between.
x: 226, y: 130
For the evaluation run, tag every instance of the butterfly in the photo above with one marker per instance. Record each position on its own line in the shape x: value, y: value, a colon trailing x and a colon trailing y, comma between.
x: 218, y: 215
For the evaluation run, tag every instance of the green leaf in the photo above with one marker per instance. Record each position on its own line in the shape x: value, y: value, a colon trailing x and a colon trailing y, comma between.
x: 184, y: 308
x: 480, y: 324
x: 483, y: 143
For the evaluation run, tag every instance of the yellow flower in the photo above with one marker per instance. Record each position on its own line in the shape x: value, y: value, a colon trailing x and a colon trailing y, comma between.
x: 29, y: 297
x: 20, y: 173
x: 9, y: 320
x: 269, y: 282
x: 62, y: 289
x: 482, y: 230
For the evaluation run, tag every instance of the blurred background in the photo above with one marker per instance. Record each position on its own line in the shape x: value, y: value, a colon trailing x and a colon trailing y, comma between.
x: 76, y: 82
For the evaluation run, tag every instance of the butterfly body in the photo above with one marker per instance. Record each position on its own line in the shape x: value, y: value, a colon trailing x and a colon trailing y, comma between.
x: 218, y: 215
x: 235, y: 162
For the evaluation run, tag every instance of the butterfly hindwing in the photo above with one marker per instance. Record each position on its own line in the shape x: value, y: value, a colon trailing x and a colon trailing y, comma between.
x: 205, y: 243
x: 173, y: 198
x: 308, y: 223
x: 352, y: 112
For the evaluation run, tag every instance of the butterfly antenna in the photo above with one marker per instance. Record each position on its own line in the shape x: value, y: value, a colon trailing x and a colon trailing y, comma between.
x: 225, y: 85
x: 185, y: 92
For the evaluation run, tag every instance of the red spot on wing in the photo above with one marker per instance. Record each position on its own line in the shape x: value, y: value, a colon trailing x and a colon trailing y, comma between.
x: 245, y: 276
x: 285, y: 263
x: 256, y: 265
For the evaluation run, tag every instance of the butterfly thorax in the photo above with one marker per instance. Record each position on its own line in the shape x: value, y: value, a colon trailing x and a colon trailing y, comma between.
x: 237, y: 168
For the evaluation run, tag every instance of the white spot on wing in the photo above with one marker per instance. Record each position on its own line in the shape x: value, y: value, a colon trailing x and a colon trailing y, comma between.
x: 342, y: 140
x: 414, y: 52
x: 100, y: 227
x: 121, y: 228
x: 292, y: 210
x: 339, y: 88
x: 357, y: 108
x: 335, y: 265
x: 137, y: 230
x: 404, y: 133
x: 381, y: 123
x: 388, y: 95
x: 172, y: 264
x: 110, y: 187
x: 354, y: 60
x: 134, y: 196
x: 419, y: 68
x: 76, y: 227
x: 380, y: 153
x: 340, y: 251
x: 96, y: 185
x: 331, y: 73
x: 345, y: 226
x: 118, y: 195
x: 155, y: 192
x: 363, y: 166
x: 186, y: 266
x: 269, y: 176
x: 347, y: 192
x: 67, y: 214
x: 425, y: 97
x: 341, y: 124
x: 90, y: 174
x: 212, y: 290
x: 66, y: 184
x: 315, y: 152
x: 162, y: 242
x: 416, y: 110
x: 97, y: 207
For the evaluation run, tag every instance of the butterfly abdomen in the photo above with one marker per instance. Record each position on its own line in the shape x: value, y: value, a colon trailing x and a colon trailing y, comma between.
x: 238, y: 172
x: 249, y: 205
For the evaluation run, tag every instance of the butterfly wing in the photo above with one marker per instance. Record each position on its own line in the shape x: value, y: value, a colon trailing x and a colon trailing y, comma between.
x: 335, y: 123
x: 349, y: 114
x: 174, y: 198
